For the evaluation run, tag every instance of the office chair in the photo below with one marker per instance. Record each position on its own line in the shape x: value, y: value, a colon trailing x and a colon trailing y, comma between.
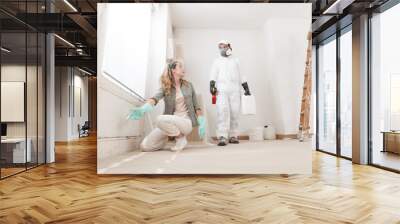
x: 84, y: 130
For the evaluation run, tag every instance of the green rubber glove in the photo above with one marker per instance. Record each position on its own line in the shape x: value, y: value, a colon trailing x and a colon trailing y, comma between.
x: 138, y: 113
x: 202, y: 126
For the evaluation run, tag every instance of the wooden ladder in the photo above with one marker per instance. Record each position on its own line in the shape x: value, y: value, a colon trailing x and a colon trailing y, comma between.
x: 304, y: 126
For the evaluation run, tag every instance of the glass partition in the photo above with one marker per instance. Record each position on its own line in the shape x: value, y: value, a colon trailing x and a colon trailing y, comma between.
x: 22, y: 77
x: 13, y: 104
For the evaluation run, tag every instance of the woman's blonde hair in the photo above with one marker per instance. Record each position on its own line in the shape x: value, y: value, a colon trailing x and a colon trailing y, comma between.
x: 167, y: 78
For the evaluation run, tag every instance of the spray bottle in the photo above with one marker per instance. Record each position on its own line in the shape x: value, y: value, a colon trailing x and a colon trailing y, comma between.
x: 213, y: 91
x: 214, y: 99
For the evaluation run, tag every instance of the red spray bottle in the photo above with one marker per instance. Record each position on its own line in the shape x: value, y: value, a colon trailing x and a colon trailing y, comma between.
x: 214, y: 99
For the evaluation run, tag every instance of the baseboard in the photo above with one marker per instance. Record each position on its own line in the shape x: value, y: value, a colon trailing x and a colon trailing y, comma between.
x: 112, y: 146
x: 241, y: 137
x: 286, y: 136
x: 278, y: 136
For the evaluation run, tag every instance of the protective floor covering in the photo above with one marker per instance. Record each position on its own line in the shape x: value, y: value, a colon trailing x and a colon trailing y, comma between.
x: 265, y: 157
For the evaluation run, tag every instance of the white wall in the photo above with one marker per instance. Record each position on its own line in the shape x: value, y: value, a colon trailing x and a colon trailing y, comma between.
x: 17, y: 72
x: 286, y: 45
x: 272, y: 59
x: 161, y: 31
x: 115, y: 134
x: 126, y: 43
x: 62, y: 81
x: 66, y: 121
x: 79, y: 118
x: 199, y: 49
x: 33, y: 127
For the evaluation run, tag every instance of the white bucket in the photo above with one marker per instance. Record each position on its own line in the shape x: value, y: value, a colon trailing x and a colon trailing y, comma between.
x: 256, y: 134
x: 269, y: 132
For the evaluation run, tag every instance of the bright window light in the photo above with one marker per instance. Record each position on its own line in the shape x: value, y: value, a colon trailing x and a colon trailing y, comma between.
x: 64, y: 40
x: 70, y: 5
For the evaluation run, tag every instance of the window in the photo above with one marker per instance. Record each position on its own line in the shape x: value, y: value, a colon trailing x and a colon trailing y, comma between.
x: 126, y: 57
x: 327, y: 96
x: 346, y: 93
x: 334, y: 106
x: 394, y: 102
x: 385, y: 89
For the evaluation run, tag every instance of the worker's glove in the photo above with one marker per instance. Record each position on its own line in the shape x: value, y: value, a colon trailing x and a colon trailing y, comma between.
x: 213, y: 89
x: 138, y: 113
x: 246, y: 89
x: 202, y: 126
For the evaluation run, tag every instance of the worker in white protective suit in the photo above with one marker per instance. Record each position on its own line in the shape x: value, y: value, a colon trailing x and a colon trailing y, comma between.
x: 226, y: 83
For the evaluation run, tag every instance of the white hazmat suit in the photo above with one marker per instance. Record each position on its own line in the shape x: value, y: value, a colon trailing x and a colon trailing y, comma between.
x: 225, y: 72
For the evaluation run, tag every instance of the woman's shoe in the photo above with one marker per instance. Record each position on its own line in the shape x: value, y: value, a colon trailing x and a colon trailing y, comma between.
x: 234, y: 140
x: 181, y: 142
x: 221, y: 141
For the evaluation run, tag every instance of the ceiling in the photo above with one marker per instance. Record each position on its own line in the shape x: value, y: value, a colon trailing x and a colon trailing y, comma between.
x: 79, y: 25
x: 233, y: 15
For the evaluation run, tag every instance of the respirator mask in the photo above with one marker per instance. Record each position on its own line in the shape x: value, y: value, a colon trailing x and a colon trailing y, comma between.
x: 225, y: 52
x: 228, y: 52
